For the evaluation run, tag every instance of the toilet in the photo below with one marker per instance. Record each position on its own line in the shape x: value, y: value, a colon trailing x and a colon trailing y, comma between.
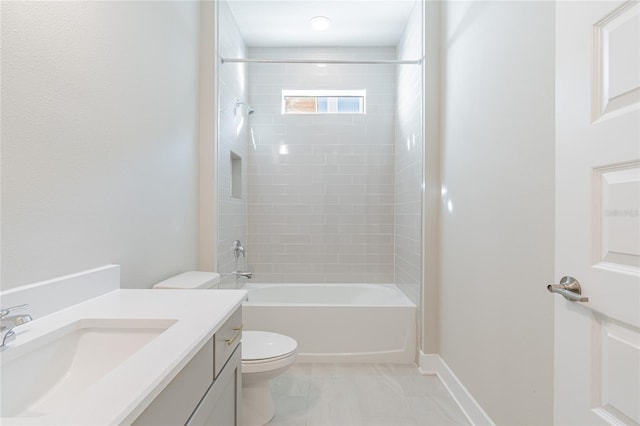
x: 265, y: 355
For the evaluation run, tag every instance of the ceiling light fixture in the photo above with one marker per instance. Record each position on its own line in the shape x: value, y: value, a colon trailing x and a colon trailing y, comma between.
x: 320, y: 23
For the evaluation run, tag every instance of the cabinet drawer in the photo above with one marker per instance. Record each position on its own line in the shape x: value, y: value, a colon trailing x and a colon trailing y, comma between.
x: 174, y: 405
x: 226, y: 340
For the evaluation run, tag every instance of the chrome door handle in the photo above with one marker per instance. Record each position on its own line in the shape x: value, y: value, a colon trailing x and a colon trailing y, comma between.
x: 570, y: 288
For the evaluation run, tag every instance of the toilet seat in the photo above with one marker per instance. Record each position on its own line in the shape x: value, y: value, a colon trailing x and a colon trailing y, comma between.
x: 265, y: 346
x: 264, y: 351
x: 262, y: 361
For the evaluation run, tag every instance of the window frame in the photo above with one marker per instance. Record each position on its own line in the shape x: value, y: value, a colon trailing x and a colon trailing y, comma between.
x: 330, y: 93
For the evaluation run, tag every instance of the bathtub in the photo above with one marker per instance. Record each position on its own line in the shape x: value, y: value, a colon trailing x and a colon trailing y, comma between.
x: 336, y: 322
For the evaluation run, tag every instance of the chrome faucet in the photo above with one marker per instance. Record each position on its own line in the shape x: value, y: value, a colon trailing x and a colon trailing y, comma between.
x: 8, y: 322
x: 243, y: 274
x: 238, y: 249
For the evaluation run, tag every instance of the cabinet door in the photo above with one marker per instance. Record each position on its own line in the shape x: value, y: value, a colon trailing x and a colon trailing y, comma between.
x: 176, y: 402
x: 221, y: 405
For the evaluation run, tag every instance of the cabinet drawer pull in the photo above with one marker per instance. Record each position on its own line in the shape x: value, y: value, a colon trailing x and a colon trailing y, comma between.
x: 235, y: 336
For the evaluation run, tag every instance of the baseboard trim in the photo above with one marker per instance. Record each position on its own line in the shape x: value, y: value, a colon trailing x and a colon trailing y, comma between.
x: 433, y: 364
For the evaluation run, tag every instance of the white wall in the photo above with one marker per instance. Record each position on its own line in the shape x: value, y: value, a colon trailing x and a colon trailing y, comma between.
x: 324, y: 211
x: 99, y: 139
x: 208, y: 131
x: 431, y: 198
x: 497, y: 247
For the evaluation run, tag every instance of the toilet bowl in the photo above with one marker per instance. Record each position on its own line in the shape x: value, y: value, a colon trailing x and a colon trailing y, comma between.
x: 265, y: 355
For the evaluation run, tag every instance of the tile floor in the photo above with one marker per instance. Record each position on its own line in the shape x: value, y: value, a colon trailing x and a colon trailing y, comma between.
x: 315, y: 394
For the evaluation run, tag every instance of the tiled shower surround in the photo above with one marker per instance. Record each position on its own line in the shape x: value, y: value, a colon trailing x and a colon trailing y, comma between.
x: 233, y: 138
x: 408, y: 163
x: 321, y: 187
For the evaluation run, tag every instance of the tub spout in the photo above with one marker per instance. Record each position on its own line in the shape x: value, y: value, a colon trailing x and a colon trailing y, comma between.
x: 243, y: 274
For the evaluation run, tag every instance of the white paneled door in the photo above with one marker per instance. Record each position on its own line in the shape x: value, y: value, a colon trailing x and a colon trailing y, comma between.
x: 597, y: 342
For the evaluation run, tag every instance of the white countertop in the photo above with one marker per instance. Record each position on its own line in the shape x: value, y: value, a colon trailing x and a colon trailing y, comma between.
x: 121, y: 395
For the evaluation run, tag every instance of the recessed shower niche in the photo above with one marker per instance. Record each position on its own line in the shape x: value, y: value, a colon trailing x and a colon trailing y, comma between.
x: 236, y: 175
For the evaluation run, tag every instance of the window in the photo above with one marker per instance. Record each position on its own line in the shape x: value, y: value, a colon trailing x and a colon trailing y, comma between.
x: 323, y: 101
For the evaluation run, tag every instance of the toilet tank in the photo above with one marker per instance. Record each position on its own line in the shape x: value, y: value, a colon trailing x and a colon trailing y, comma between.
x: 190, y: 280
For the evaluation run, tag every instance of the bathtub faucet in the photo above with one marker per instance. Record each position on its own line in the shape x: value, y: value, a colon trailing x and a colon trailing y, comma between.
x: 241, y: 274
x: 238, y: 249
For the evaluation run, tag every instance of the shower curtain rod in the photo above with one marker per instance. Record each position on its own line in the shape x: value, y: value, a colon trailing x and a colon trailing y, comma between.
x: 324, y: 61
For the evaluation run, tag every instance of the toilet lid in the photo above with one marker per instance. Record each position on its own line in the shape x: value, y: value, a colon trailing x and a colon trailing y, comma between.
x: 263, y: 345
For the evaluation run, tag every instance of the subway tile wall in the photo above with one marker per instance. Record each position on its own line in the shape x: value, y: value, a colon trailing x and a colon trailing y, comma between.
x: 233, y: 136
x: 324, y: 210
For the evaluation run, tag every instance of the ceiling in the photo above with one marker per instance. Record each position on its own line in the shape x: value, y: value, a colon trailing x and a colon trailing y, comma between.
x: 285, y: 23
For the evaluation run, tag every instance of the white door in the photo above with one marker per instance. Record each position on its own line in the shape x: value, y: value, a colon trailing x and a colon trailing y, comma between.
x: 597, y: 343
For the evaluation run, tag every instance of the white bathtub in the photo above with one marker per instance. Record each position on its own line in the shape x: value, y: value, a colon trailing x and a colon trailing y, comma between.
x: 336, y: 322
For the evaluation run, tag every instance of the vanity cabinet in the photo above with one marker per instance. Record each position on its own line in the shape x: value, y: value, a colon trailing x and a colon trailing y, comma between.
x: 221, y: 404
x: 207, y: 390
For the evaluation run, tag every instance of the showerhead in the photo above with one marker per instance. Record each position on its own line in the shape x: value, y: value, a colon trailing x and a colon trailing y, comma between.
x: 243, y: 104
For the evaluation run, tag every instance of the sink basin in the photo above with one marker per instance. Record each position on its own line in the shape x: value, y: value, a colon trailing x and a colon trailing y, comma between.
x: 42, y: 376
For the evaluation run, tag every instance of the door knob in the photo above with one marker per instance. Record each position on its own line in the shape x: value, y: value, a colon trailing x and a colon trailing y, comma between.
x: 570, y: 288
